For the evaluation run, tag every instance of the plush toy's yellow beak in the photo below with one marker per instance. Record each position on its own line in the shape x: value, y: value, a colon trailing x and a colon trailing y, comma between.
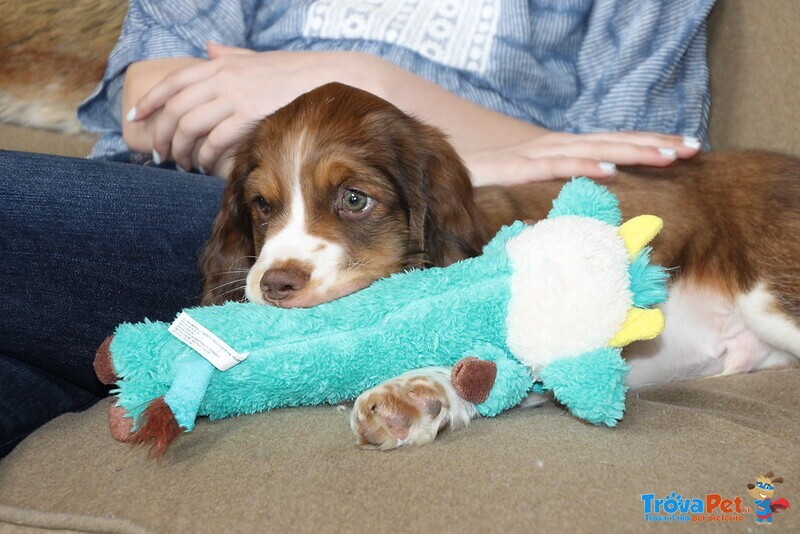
x: 640, y: 324
x: 636, y: 233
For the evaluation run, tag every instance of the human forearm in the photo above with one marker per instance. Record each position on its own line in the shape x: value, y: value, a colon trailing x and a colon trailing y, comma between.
x: 469, y: 126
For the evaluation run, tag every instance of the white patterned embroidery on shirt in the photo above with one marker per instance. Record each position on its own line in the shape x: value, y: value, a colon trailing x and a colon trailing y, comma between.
x: 456, y: 33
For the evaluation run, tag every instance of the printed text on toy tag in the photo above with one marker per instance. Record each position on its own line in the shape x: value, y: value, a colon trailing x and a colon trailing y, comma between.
x: 204, y: 342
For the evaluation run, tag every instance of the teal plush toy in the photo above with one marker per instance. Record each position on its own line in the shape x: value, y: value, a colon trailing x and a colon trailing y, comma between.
x: 549, y: 304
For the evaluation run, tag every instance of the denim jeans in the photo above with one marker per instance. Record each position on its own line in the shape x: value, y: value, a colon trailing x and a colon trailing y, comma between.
x: 84, y: 246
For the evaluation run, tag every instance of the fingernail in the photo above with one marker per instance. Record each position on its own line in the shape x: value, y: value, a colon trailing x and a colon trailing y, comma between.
x: 691, y: 142
x: 156, y: 157
x: 131, y: 116
x: 180, y: 168
x: 670, y: 153
x: 201, y: 169
x: 607, y: 167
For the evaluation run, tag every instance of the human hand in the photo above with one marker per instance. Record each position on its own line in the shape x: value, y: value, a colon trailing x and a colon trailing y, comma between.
x: 557, y: 155
x: 205, y: 108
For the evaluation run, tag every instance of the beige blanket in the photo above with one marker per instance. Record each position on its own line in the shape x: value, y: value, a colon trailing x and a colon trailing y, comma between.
x: 296, y: 470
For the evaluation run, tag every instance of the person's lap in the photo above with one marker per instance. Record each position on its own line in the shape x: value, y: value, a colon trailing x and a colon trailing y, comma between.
x: 85, y: 245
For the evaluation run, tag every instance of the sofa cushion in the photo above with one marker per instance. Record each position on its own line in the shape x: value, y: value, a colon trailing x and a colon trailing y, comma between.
x: 752, y: 55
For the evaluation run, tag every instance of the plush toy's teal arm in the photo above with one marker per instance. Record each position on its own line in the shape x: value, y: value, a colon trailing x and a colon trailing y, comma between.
x: 192, y: 376
x: 511, y: 385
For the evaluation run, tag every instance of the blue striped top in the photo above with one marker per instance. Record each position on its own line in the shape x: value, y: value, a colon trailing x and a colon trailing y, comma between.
x: 567, y: 65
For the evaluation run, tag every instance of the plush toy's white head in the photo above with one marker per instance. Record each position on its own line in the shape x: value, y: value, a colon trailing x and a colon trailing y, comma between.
x: 570, y: 288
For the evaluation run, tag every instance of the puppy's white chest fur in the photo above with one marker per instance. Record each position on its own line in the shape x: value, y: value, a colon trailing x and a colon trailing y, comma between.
x: 706, y: 335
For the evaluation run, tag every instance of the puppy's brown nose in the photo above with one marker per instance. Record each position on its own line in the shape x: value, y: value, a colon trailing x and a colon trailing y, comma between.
x: 277, y: 284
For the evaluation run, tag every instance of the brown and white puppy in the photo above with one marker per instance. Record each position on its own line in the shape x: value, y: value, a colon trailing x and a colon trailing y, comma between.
x: 340, y: 188
x: 333, y: 191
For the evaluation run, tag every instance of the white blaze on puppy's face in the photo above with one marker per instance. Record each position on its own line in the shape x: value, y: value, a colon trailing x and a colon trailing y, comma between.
x: 294, y: 245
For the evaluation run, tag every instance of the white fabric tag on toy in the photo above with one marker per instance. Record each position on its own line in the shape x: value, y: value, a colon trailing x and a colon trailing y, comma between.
x: 205, y: 342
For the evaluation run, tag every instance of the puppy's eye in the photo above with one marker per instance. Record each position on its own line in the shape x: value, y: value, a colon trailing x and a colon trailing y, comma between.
x: 263, y: 206
x: 355, y: 202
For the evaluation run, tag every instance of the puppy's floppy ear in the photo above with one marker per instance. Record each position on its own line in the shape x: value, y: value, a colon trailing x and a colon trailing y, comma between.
x: 230, y: 250
x: 449, y: 227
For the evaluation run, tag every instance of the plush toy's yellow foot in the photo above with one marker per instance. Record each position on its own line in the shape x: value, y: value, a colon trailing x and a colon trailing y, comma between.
x: 639, y: 325
x: 636, y: 233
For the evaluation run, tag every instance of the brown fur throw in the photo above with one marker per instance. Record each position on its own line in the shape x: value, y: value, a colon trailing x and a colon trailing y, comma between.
x: 53, y: 54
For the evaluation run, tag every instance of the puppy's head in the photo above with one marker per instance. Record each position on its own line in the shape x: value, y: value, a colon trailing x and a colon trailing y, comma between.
x: 331, y: 192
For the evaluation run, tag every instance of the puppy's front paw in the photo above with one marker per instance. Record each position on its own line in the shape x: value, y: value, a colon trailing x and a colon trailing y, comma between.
x: 408, y: 410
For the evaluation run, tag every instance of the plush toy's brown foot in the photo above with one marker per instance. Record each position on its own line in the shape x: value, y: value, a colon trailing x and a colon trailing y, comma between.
x: 103, y: 366
x: 473, y: 378
x: 121, y: 427
x: 158, y: 425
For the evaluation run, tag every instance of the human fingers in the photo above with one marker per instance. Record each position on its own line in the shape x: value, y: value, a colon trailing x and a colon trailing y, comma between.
x: 557, y: 167
x: 219, y: 143
x: 166, y: 124
x: 224, y: 165
x: 685, y: 146
x: 618, y: 152
x: 193, y: 126
x: 215, y: 50
x: 171, y: 85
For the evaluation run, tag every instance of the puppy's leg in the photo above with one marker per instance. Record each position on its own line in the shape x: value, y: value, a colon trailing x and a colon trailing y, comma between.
x: 409, y: 410
x: 768, y: 314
